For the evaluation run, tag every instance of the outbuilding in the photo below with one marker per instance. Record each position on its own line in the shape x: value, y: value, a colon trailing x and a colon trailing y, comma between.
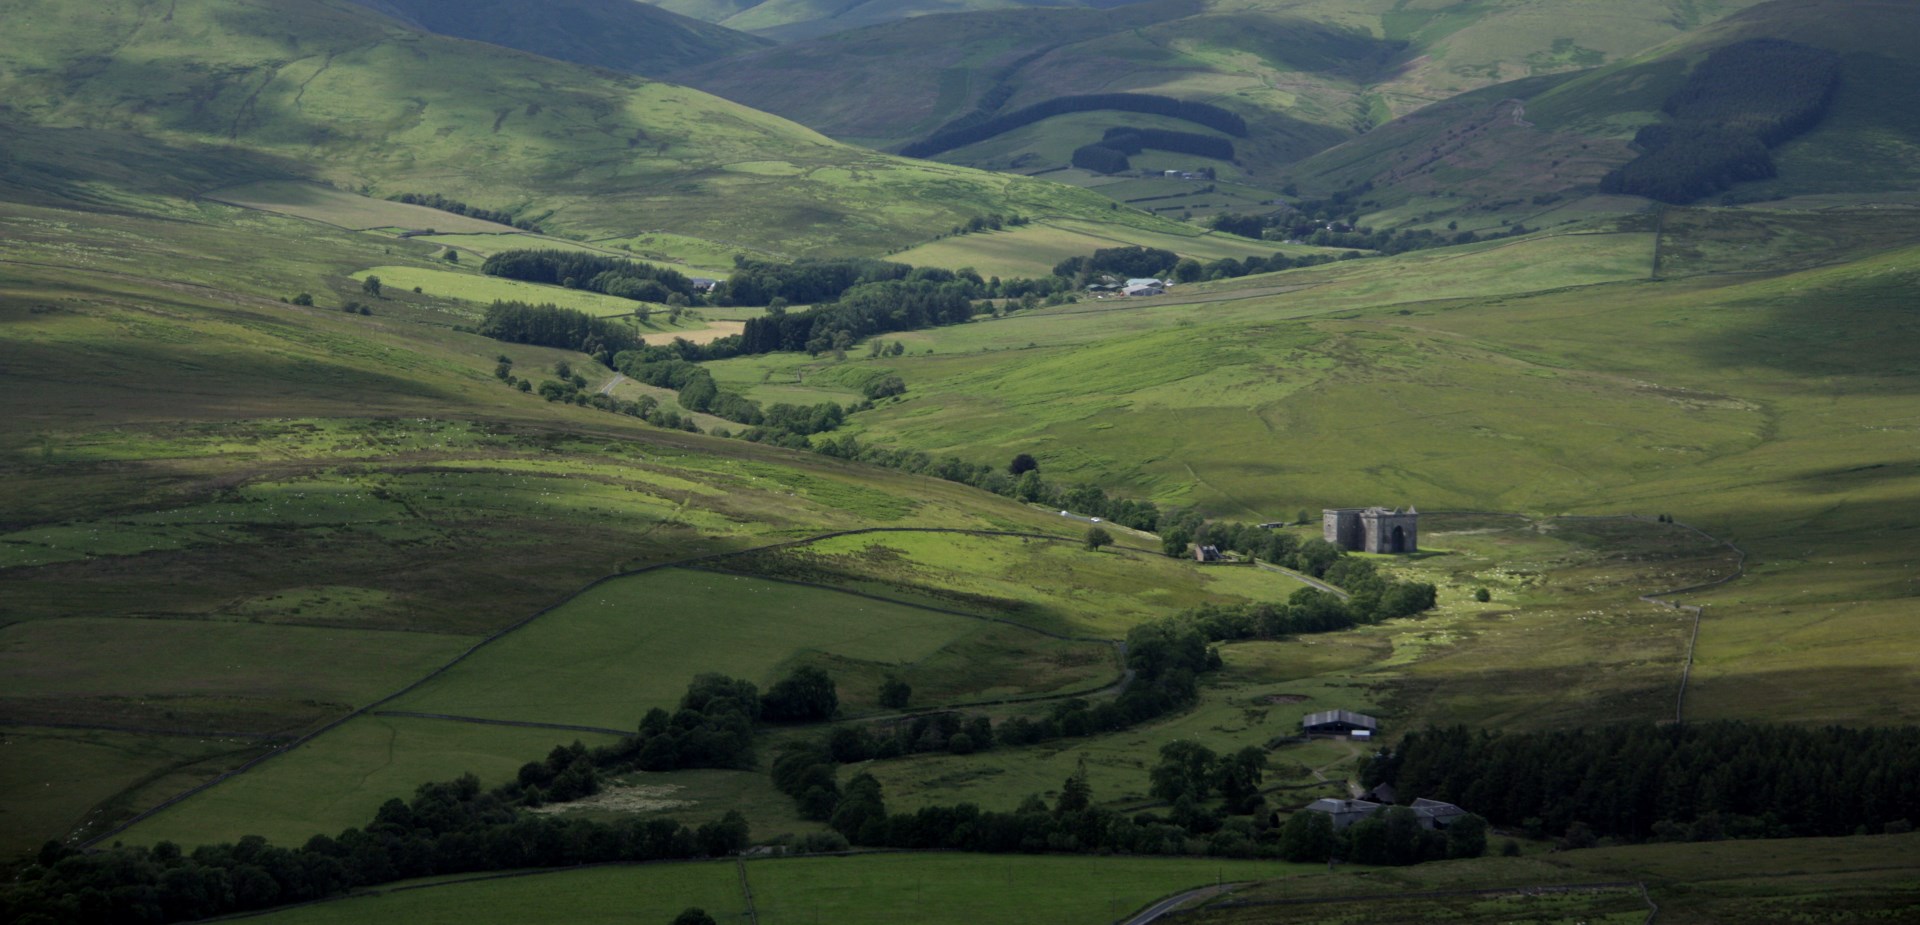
x: 1339, y: 722
x: 1343, y: 812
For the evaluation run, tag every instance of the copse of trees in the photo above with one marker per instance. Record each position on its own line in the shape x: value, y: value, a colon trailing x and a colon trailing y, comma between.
x: 807, y: 695
x: 1742, y: 100
x: 614, y: 276
x: 1100, y: 158
x: 803, y: 282
x: 456, y: 207
x: 1133, y: 262
x: 553, y: 326
x: 1691, y: 782
x: 658, y: 366
x: 1206, y: 114
x: 862, y: 311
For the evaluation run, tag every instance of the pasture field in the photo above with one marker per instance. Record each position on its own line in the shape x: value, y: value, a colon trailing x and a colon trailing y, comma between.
x: 859, y: 890
x: 339, y: 779
x: 608, y: 656
x: 471, y: 286
x: 83, y: 781
x: 486, y: 245
x: 352, y: 211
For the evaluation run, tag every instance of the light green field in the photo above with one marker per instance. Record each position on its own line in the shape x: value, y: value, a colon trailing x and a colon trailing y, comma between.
x: 471, y: 286
x: 864, y: 890
x: 338, y: 780
x: 348, y: 210
x: 1032, y: 251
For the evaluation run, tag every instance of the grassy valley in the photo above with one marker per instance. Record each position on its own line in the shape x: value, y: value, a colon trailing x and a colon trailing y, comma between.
x: 309, y: 590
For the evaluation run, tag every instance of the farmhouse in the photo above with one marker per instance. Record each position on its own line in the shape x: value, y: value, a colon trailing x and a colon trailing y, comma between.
x: 1205, y: 553
x: 1339, y: 722
x: 1435, y: 814
x: 702, y: 284
x: 1373, y: 529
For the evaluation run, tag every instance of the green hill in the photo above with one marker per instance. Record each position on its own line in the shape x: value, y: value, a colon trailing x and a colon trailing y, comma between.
x: 1305, y: 75
x: 333, y: 92
x: 1523, y: 149
x: 624, y: 35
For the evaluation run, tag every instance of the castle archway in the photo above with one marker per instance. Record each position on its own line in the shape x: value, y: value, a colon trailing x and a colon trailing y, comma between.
x: 1399, y: 541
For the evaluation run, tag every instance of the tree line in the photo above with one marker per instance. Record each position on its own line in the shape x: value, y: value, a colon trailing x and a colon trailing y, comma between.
x: 1742, y: 100
x: 1205, y: 114
x: 614, y: 276
x: 455, y: 206
x: 1028, y: 486
x: 549, y: 325
x: 1691, y: 782
x: 864, y: 310
x: 697, y: 391
x: 453, y: 827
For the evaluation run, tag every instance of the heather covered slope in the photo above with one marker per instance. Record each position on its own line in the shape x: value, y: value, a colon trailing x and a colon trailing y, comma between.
x: 333, y: 92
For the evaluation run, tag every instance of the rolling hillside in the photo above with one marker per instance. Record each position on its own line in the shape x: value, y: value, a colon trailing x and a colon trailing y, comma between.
x: 1516, y: 150
x: 623, y: 35
x: 332, y: 92
x: 1306, y: 74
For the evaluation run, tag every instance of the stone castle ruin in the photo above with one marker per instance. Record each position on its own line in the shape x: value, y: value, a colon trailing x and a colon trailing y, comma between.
x: 1372, y: 529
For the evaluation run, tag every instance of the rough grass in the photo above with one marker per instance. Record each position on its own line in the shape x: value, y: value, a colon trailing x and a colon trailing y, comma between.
x: 1846, y: 880
x: 348, y: 210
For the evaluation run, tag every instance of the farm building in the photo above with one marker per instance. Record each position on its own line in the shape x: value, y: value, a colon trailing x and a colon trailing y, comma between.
x: 702, y: 284
x: 1435, y: 814
x: 1339, y: 722
x: 1205, y: 553
x: 1137, y: 291
x: 1148, y: 281
x: 1432, y: 814
x: 1373, y: 529
x: 1344, y: 812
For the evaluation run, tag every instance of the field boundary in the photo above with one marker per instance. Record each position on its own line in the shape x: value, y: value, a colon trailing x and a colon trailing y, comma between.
x: 502, y: 633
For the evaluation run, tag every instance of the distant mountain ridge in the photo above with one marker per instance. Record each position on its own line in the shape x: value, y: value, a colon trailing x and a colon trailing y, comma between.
x: 624, y: 35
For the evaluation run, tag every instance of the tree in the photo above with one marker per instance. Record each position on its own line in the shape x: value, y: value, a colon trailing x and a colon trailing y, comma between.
x: 1307, y: 836
x: 451, y: 256
x: 894, y: 693
x: 1467, y: 837
x: 1482, y: 595
x: 1098, y: 537
x: 371, y: 286
x: 806, y: 695
x: 1076, y: 794
x: 1023, y: 464
x: 305, y: 298
x: 1186, y: 768
x: 694, y: 915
